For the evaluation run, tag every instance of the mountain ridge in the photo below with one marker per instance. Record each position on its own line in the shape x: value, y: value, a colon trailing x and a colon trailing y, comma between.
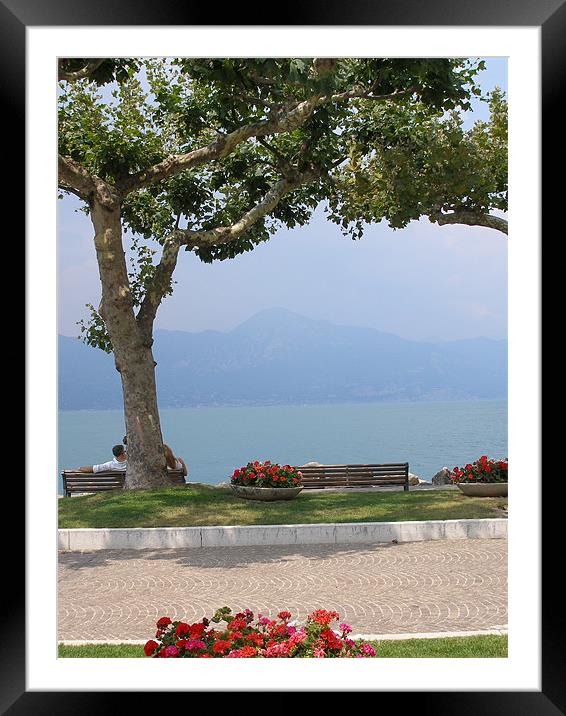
x: 279, y: 357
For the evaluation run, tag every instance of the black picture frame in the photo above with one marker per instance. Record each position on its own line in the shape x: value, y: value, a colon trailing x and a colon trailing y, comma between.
x: 550, y: 16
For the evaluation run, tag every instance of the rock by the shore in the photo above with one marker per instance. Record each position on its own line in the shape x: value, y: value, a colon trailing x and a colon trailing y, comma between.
x: 442, y: 477
x: 414, y: 479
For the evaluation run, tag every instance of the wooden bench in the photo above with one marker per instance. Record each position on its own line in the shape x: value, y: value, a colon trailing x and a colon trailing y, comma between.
x: 319, y: 476
x: 78, y: 482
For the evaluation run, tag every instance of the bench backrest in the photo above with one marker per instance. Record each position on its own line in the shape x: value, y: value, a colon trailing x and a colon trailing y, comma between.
x: 103, y: 481
x: 374, y: 474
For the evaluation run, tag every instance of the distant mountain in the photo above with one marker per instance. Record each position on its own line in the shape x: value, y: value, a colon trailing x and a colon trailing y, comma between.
x: 280, y: 357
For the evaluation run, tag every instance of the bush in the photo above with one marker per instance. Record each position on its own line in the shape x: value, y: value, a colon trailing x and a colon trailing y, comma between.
x: 482, y: 470
x: 266, y: 474
x: 266, y: 638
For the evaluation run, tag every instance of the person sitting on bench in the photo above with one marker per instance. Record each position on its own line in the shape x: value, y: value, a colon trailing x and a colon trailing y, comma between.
x: 118, y: 463
x: 174, y: 463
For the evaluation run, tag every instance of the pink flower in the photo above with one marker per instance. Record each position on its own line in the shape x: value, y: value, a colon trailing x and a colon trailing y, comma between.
x: 319, y: 654
x: 368, y: 649
x: 170, y: 651
x: 195, y: 644
x: 345, y: 628
x: 276, y: 650
x: 297, y: 637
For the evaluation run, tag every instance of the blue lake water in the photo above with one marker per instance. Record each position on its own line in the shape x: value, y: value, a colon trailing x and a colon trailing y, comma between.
x: 214, y: 441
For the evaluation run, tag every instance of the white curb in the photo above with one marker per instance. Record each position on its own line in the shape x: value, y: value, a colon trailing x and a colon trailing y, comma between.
x: 501, y: 631
x: 76, y: 540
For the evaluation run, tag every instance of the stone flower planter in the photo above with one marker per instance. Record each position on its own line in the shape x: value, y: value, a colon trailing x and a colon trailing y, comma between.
x: 266, y: 494
x: 483, y: 489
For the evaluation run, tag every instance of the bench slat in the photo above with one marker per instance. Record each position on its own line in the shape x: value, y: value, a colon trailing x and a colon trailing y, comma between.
x: 104, y: 481
x: 355, y: 475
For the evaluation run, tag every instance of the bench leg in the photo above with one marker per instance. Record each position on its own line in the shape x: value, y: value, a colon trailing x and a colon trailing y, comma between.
x: 406, y: 487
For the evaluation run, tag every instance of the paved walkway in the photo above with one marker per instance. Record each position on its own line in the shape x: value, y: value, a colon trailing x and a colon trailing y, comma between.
x: 437, y: 586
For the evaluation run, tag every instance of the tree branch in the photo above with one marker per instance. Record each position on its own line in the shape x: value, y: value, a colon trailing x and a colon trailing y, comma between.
x: 224, y: 234
x: 160, y: 285
x: 470, y: 218
x: 85, y: 71
x: 223, y: 146
x: 364, y: 93
x: 280, y: 121
x: 74, y: 177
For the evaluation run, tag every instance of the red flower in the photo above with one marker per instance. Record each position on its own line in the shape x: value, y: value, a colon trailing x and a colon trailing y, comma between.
x: 150, y: 647
x: 164, y: 621
x: 221, y: 646
x: 284, y: 615
x: 255, y: 637
x: 181, y: 629
x: 321, y: 616
x: 197, y: 630
x: 332, y: 641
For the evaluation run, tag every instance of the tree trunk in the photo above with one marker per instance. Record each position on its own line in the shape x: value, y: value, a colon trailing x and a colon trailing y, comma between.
x: 146, y: 466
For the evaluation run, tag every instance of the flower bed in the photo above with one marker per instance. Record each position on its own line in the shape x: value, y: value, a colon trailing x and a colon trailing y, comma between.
x: 242, y: 637
x: 266, y: 474
x: 482, y: 470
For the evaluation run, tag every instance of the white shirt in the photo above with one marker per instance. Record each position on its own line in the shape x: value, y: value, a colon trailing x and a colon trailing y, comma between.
x: 110, y: 465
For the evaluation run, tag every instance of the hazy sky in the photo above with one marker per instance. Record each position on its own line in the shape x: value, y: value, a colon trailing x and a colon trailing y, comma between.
x: 422, y: 282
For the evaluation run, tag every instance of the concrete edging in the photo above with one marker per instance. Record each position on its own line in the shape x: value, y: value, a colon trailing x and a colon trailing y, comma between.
x: 76, y: 540
x: 503, y: 631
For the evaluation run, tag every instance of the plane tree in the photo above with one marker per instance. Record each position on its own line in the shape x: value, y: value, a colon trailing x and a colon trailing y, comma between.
x: 213, y: 156
x: 424, y: 164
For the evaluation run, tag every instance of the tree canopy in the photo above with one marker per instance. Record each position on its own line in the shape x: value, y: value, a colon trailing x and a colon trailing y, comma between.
x: 424, y: 164
x: 215, y: 155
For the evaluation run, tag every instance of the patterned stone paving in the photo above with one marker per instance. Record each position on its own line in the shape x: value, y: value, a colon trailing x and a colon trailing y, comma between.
x: 419, y: 587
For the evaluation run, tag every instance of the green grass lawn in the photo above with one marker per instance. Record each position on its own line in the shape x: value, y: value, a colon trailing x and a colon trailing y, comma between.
x: 199, y: 505
x: 453, y: 647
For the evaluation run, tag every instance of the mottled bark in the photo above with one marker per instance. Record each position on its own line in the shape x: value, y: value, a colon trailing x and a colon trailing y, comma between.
x: 158, y: 288
x: 85, y: 71
x: 132, y: 353
x: 470, y: 218
x: 223, y: 234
